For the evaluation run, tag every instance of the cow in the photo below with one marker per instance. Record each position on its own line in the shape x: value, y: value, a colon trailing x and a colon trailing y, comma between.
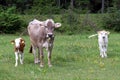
x: 41, y: 35
x: 102, y: 42
x: 19, y: 44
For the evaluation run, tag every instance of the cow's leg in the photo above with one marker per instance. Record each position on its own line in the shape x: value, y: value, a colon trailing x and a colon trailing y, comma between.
x: 34, y: 53
x: 21, y: 57
x: 105, y: 51
x: 41, y: 57
x: 100, y: 48
x: 38, y: 55
x: 101, y: 51
x: 16, y: 59
x: 102, y: 54
x: 105, y: 55
x: 49, y: 57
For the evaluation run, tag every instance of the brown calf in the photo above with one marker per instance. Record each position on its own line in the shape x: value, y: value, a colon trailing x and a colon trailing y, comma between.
x: 19, y: 45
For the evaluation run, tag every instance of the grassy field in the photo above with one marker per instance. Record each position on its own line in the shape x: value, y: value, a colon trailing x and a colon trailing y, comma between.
x: 74, y: 57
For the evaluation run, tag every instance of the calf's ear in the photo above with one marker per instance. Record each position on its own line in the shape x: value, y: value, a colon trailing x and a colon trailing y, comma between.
x: 98, y: 32
x: 23, y: 41
x: 12, y: 42
x: 57, y: 25
x: 108, y: 32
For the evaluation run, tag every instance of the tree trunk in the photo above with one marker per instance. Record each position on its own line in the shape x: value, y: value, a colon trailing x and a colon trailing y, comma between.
x: 71, y: 4
x: 58, y: 3
x: 102, y: 9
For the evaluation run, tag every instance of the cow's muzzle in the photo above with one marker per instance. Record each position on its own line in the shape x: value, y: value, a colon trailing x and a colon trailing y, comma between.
x: 50, y: 35
x: 103, y: 37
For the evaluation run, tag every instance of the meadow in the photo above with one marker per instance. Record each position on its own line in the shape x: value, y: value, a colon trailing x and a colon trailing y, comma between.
x: 74, y: 57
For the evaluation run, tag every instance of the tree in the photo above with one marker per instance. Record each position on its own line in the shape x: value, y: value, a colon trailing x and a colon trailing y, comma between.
x: 71, y: 4
x: 102, y: 9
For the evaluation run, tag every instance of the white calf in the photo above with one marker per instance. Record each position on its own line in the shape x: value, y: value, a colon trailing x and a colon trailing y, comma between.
x: 102, y: 41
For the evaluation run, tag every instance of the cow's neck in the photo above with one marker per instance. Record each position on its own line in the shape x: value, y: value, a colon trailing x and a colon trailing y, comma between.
x: 50, y: 40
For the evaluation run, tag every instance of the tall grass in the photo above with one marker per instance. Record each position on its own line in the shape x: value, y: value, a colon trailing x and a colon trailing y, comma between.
x: 74, y: 57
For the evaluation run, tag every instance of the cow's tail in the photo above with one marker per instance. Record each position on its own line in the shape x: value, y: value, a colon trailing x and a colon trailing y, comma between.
x: 93, y: 35
x: 30, y: 51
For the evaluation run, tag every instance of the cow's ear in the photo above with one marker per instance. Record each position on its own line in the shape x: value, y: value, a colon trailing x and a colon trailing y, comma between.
x: 98, y: 32
x: 42, y: 24
x: 108, y: 32
x: 12, y: 42
x: 57, y: 25
x: 22, y: 41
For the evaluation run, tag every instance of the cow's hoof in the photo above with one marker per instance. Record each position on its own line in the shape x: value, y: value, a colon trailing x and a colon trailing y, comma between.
x: 41, y: 65
x: 102, y: 56
x: 105, y: 56
x: 50, y: 65
x: 21, y: 62
x: 35, y: 62
x: 15, y: 65
x: 38, y: 61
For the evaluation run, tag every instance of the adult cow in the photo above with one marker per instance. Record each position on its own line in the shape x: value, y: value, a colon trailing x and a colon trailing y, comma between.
x: 42, y: 36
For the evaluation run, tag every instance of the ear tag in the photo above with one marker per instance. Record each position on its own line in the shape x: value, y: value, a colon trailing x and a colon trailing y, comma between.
x: 23, y: 42
x: 12, y: 42
x: 48, y: 38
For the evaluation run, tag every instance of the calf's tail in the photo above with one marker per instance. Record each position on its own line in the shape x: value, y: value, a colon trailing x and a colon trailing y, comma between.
x: 93, y: 35
x: 30, y: 51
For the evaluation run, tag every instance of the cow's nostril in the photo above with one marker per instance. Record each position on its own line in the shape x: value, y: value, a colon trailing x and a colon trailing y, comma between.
x: 50, y: 35
x: 104, y: 37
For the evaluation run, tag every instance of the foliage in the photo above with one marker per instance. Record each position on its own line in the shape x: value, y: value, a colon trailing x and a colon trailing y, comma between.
x: 112, y: 21
x: 56, y: 6
x: 71, y: 22
x: 10, y: 22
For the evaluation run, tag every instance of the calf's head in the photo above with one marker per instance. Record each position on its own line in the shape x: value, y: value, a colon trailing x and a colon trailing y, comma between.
x: 104, y: 34
x: 50, y: 25
x: 19, y: 43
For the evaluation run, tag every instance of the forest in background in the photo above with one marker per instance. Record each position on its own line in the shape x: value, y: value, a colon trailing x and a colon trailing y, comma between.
x: 73, y: 14
x: 57, y: 6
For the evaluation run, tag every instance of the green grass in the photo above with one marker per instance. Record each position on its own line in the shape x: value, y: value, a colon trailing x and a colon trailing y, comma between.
x: 74, y: 57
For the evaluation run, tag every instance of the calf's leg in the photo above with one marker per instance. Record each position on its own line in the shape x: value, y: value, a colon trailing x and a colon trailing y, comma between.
x: 16, y: 59
x: 105, y: 51
x: 101, y: 50
x: 21, y: 58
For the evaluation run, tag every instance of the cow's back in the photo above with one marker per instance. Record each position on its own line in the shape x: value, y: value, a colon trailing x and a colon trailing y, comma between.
x: 37, y: 33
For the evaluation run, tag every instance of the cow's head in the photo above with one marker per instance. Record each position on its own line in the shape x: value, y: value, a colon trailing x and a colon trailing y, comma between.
x: 103, y: 34
x: 50, y: 25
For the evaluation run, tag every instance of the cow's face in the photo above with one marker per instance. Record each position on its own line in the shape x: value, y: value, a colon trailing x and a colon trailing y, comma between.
x: 19, y: 42
x: 103, y: 34
x: 50, y: 25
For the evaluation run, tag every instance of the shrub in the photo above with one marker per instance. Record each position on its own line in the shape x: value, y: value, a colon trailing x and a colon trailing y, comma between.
x: 10, y: 22
x: 112, y: 21
x: 71, y: 23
